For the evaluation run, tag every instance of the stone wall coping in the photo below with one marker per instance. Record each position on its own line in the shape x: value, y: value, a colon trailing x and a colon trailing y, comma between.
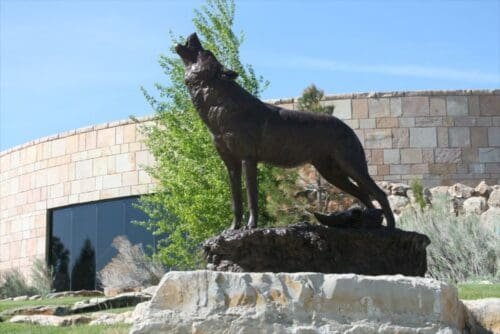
x: 81, y: 130
x: 361, y: 95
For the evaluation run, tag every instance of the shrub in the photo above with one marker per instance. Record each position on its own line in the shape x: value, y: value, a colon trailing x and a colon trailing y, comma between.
x: 41, y: 277
x: 461, y: 248
x: 130, y: 268
x: 13, y: 284
x: 418, y: 192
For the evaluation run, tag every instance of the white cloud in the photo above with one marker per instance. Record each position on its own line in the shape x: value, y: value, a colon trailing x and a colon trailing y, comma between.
x: 396, y: 70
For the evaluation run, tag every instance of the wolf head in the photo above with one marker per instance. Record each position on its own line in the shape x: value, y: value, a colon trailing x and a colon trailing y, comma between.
x: 201, y: 64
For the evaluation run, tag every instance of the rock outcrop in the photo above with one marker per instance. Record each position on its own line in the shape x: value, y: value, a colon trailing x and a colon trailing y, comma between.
x: 316, y: 248
x: 51, y: 320
x: 98, y: 304
x: 483, y: 315
x: 79, y: 293
x: 36, y: 310
x: 221, y: 302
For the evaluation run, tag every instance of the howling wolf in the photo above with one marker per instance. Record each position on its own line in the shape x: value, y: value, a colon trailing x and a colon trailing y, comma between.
x: 246, y: 131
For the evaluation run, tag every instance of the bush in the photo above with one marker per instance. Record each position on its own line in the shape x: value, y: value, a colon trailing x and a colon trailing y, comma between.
x: 41, y: 277
x: 461, y: 248
x: 418, y: 192
x: 130, y: 268
x: 13, y: 284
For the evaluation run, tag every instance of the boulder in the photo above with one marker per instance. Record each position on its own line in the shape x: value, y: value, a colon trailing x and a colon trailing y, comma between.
x: 385, y: 186
x: 494, y: 199
x: 79, y: 293
x: 483, y: 315
x: 459, y: 190
x: 317, y: 248
x: 399, y: 189
x: 115, y: 291
x: 51, y: 320
x: 490, y: 219
x: 98, y: 304
x: 483, y: 189
x: 110, y: 319
x: 20, y: 298
x: 220, y: 302
x: 474, y: 205
x: 398, y: 203
x: 439, y: 191
x: 150, y: 289
x: 35, y: 310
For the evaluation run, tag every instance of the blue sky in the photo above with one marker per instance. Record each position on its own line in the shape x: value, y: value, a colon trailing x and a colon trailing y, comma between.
x: 69, y: 64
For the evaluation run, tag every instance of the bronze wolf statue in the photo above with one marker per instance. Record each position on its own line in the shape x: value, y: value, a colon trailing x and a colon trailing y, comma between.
x: 246, y: 131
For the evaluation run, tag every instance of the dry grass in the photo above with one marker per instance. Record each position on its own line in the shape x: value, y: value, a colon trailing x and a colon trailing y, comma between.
x: 461, y: 249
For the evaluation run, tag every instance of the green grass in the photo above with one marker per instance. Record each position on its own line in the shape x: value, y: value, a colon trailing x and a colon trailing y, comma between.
x: 66, y: 301
x: 478, y: 291
x: 8, y: 328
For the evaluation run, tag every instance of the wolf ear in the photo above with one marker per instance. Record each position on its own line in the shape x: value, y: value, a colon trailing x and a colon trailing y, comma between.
x: 228, y: 74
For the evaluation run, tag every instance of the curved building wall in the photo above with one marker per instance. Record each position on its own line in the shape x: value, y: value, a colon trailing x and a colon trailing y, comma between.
x: 439, y: 137
x: 84, y: 165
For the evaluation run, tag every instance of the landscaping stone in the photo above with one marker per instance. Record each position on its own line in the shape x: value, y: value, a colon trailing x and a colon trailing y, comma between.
x: 109, y: 319
x: 494, y: 199
x: 474, y: 205
x: 20, y: 298
x: 222, y: 302
x: 459, y: 190
x: 385, y: 186
x: 35, y: 310
x: 317, y: 248
x: 111, y: 291
x: 399, y: 189
x: 35, y: 297
x: 398, y: 203
x: 150, y: 290
x: 80, y: 293
x: 490, y: 219
x: 439, y: 191
x: 483, y: 189
x: 51, y: 320
x: 483, y: 315
x: 99, y: 304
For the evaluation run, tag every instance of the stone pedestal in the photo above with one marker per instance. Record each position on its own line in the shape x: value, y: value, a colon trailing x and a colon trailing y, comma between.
x: 318, y: 248
x: 221, y: 302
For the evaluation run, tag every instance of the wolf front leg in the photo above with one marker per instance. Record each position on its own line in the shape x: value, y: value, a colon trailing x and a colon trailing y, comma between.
x: 250, y: 167
x: 233, y: 166
x: 234, y: 171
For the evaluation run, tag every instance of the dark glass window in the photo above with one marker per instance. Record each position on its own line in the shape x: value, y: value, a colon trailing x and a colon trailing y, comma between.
x: 81, y: 238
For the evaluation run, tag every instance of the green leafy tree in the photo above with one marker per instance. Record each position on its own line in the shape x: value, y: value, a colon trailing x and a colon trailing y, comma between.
x: 311, y: 100
x: 192, y: 200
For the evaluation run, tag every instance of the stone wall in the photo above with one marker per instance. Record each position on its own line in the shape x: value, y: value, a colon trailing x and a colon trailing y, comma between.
x: 439, y: 137
x: 84, y: 165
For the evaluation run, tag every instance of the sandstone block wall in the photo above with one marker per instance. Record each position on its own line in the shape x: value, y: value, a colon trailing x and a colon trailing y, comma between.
x: 84, y: 165
x: 439, y: 137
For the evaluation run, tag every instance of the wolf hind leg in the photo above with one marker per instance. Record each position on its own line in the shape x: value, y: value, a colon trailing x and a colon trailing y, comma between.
x: 358, y: 171
x: 333, y: 175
